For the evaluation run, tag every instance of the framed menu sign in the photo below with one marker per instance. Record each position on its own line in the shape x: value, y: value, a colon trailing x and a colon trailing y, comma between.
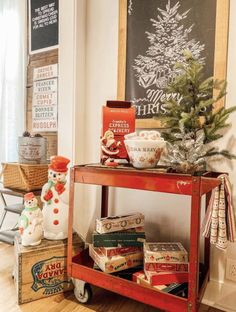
x: 43, y: 25
x: 153, y: 35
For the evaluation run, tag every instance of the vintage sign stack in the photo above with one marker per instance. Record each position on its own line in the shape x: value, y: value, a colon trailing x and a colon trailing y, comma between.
x: 164, y: 264
x: 118, y: 242
x: 44, y: 101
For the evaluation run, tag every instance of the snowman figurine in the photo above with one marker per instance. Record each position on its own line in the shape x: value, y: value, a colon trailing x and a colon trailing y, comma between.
x: 30, y: 222
x: 55, y: 196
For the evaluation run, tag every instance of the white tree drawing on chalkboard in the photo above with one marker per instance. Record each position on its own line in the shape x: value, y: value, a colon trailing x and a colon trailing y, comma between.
x: 167, y: 44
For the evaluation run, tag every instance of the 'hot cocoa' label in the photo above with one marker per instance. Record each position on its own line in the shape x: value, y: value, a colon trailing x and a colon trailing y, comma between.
x: 50, y: 274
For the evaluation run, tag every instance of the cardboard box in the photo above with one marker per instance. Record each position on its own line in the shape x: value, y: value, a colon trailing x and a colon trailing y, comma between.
x: 128, y: 274
x: 119, y: 223
x: 165, y: 252
x: 40, y: 271
x: 160, y: 278
x: 118, y: 119
x: 140, y: 278
x: 159, y: 267
x: 119, y: 251
x: 117, y: 263
x: 118, y: 239
x: 180, y: 290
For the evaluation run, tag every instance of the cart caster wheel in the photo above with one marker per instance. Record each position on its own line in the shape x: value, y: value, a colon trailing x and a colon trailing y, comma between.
x: 83, y: 297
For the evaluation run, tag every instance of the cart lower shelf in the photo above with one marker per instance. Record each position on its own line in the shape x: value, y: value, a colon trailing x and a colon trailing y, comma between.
x: 82, y: 269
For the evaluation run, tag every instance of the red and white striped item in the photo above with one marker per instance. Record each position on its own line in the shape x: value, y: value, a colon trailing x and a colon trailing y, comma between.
x: 219, y: 221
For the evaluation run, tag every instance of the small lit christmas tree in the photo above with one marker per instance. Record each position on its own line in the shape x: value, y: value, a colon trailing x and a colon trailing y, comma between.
x: 167, y: 42
x: 193, y: 123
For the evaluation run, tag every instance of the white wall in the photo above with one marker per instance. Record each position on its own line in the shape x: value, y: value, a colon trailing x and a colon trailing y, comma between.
x: 167, y: 216
x: 72, y: 34
x: 229, y: 141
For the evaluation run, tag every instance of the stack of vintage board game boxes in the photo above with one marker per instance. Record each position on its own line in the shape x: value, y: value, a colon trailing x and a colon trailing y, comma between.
x: 165, y: 267
x: 119, y: 245
x: 118, y: 242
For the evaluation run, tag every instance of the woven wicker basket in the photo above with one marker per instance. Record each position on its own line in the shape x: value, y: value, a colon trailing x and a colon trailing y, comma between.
x: 25, y: 177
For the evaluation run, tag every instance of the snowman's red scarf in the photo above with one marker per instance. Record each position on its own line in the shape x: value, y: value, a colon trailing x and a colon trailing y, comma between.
x: 51, y: 184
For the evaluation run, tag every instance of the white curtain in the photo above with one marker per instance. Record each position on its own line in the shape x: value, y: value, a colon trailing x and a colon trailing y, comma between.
x: 12, y: 75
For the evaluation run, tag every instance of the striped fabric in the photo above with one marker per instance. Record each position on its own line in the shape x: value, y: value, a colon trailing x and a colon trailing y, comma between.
x: 219, y: 221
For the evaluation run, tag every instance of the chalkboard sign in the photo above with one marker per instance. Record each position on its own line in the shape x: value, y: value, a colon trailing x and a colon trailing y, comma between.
x: 43, y: 25
x: 153, y: 36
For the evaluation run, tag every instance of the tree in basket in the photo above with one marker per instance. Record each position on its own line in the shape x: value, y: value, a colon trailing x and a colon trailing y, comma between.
x: 30, y: 222
x: 55, y: 196
x: 194, y: 123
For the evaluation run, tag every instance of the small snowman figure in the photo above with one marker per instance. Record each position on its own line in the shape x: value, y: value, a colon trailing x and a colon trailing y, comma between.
x: 55, y: 196
x: 30, y: 222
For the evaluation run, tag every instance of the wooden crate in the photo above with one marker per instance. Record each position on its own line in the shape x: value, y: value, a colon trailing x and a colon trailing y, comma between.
x: 41, y: 271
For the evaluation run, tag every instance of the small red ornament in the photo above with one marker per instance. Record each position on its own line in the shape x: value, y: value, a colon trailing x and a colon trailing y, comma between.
x: 55, y: 222
x: 56, y: 200
x: 55, y: 210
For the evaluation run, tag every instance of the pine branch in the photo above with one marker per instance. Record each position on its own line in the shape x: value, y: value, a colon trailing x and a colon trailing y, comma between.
x: 193, y: 122
x: 224, y: 153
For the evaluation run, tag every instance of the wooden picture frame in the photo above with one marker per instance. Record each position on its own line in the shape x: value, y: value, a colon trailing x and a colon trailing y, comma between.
x: 220, y: 53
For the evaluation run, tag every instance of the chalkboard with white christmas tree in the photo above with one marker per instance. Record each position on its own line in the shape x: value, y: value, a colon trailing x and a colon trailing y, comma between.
x: 158, y: 31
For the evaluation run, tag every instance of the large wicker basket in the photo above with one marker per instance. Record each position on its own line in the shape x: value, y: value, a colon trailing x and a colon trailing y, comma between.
x: 26, y: 177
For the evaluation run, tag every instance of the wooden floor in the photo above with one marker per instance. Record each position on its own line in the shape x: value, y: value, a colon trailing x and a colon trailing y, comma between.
x: 103, y: 301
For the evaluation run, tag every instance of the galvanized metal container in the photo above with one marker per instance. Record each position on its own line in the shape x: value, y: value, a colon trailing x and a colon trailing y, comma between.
x: 32, y: 150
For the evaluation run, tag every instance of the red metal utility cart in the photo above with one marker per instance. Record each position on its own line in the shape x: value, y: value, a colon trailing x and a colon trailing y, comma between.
x: 80, y: 267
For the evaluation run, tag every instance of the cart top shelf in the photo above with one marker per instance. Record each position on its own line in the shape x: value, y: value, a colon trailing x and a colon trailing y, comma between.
x: 149, y: 179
